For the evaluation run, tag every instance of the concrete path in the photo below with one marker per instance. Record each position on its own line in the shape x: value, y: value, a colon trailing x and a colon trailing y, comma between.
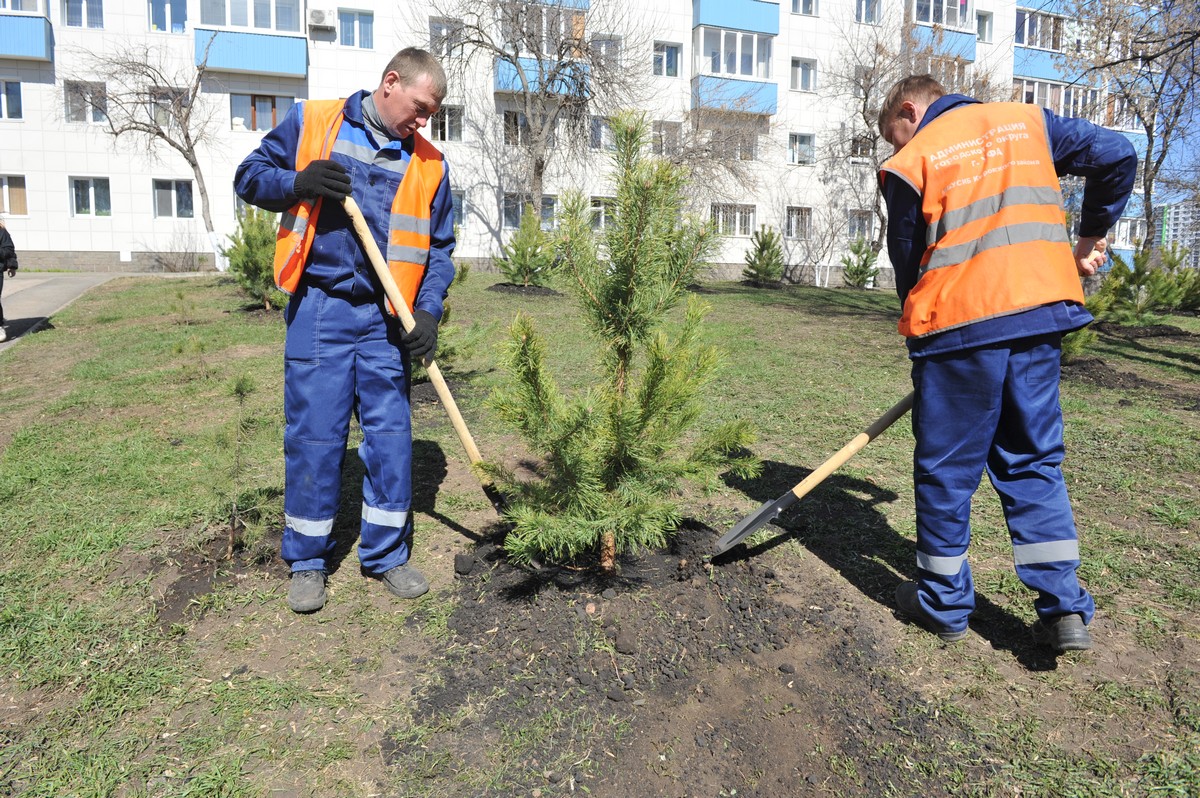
x: 31, y: 298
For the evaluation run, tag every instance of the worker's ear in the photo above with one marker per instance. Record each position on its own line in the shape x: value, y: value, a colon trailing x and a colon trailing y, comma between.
x: 908, y: 111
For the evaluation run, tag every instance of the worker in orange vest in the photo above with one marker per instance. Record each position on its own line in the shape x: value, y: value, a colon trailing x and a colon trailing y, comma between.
x: 345, y: 352
x: 989, y: 283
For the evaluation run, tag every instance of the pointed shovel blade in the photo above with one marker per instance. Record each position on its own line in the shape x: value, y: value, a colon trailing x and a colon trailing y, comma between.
x: 755, y: 521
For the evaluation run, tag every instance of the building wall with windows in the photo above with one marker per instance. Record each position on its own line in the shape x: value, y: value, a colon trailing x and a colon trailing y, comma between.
x: 1180, y: 225
x: 772, y: 73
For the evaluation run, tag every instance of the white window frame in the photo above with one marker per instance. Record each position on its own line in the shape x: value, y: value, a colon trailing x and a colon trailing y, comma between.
x: 1079, y: 102
x: 515, y: 128
x: 662, y: 65
x: 666, y: 138
x: 446, y: 124
x: 8, y: 191
x: 806, y: 8
x: 1039, y: 30
x: 512, y: 208
x: 279, y: 106
x: 458, y: 202
x: 733, y: 219
x: 739, y: 54
x: 173, y: 191
x: 602, y: 212
x: 92, y: 186
x: 277, y: 9
x: 80, y: 100
x: 91, y: 13
x: 606, y: 50
x: 797, y: 222
x: 600, y: 134
x: 985, y: 26
x: 868, y: 12
x: 952, y: 14
x: 171, y: 24
x: 24, y: 6
x: 860, y: 223
x: 356, y: 28
x: 803, y: 75
x: 800, y: 151
x: 8, y: 90
x: 445, y: 35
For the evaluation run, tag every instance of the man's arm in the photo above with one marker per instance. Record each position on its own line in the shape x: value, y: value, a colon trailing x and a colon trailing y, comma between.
x: 267, y: 176
x: 440, y: 270
x: 1107, y: 162
x: 906, y: 226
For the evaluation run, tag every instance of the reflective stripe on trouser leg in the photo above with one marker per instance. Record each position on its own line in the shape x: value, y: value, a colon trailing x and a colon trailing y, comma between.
x: 386, y: 450
x: 1025, y: 467
x: 318, y: 398
x: 955, y: 410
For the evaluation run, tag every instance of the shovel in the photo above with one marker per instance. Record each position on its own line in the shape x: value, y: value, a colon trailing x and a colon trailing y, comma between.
x: 406, y: 318
x: 772, y: 510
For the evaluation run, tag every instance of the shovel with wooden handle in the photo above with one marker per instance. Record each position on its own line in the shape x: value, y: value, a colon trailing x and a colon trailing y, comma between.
x: 772, y: 510
x: 406, y: 318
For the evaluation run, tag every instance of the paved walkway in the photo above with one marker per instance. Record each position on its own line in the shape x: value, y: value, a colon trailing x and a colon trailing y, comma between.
x: 31, y: 298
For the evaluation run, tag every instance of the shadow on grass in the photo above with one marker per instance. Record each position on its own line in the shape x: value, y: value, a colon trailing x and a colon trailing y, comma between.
x: 839, y: 523
x: 845, y: 302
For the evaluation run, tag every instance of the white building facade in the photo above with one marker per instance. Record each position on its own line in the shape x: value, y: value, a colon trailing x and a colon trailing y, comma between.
x: 777, y: 90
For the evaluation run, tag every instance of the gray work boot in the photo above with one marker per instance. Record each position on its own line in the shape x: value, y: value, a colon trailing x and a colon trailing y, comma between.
x: 405, y: 581
x: 307, y: 591
x: 1064, y: 633
x: 908, y: 606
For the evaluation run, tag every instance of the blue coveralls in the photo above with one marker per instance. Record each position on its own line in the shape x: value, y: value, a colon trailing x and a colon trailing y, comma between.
x: 986, y: 398
x: 342, y: 354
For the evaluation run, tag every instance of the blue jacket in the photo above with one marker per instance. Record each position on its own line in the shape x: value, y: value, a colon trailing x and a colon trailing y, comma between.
x: 1105, y: 158
x: 337, y: 263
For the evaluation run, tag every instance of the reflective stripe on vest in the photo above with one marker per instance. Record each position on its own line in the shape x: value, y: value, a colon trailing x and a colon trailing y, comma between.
x: 408, y: 224
x: 997, y: 242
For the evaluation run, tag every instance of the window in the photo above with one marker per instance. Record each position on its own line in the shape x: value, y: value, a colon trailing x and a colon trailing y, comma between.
x: 1035, y: 29
x: 258, y: 111
x: 168, y: 15
x: 238, y: 13
x: 1123, y: 113
x: 173, y: 199
x: 458, y: 204
x: 356, y: 29
x: 666, y: 59
x: 86, y: 102
x: 983, y: 27
x: 446, y: 124
x: 733, y: 220
x: 516, y: 128
x: 953, y: 72
x: 12, y: 195
x: 90, y: 196
x: 948, y: 13
x: 1079, y: 102
x: 20, y: 5
x: 606, y: 50
x: 867, y: 11
x: 797, y: 223
x: 804, y: 75
x: 167, y: 105
x: 602, y: 212
x: 666, y: 138
x: 806, y: 7
x: 514, y: 209
x: 801, y: 148
x: 444, y: 35
x: 10, y: 99
x: 860, y: 224
x: 542, y: 29
x: 742, y: 145
x: 731, y: 52
x: 862, y: 148
x: 83, y: 13
x: 601, y: 136
x: 1130, y: 232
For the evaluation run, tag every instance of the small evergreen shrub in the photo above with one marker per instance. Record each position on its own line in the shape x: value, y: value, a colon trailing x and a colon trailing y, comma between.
x: 252, y: 257
x: 1133, y: 295
x: 528, y: 256
x: 858, y: 268
x: 764, y: 260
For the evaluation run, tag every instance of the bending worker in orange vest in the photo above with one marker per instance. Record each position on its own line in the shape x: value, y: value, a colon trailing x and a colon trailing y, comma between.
x: 345, y: 350
x: 989, y: 284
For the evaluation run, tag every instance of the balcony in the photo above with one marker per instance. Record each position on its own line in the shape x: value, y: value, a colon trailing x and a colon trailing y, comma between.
x: 947, y: 41
x: 730, y: 94
x: 26, y: 37
x: 756, y: 16
x: 564, y: 77
x: 252, y: 53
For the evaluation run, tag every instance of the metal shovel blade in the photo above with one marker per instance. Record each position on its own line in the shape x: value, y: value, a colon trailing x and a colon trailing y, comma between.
x: 752, y: 523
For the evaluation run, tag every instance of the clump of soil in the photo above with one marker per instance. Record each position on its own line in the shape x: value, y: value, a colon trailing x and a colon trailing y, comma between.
x: 525, y: 290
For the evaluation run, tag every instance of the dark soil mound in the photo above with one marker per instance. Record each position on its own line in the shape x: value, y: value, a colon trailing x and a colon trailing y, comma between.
x: 526, y: 290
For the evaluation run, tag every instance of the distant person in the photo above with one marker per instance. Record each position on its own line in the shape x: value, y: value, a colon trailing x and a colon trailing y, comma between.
x: 346, y: 353
x: 989, y: 285
x: 8, y: 265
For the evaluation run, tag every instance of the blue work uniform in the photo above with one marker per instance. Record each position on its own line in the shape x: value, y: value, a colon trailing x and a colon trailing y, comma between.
x: 343, y: 354
x: 987, y: 398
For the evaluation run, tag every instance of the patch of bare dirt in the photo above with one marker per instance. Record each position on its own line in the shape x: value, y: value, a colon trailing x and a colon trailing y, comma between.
x: 523, y: 290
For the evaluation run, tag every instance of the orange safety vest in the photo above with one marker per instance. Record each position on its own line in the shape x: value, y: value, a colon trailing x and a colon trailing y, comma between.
x: 408, y: 233
x: 997, y: 241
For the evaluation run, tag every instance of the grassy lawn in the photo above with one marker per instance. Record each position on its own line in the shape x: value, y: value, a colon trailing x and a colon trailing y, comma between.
x: 135, y: 660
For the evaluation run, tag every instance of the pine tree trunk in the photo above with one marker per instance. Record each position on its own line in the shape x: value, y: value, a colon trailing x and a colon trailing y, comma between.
x: 608, y: 551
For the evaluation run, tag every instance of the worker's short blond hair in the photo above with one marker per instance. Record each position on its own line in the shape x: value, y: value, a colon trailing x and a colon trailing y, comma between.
x: 922, y: 89
x: 413, y: 62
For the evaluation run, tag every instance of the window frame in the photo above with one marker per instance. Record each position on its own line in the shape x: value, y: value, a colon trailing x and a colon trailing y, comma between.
x: 760, y: 55
x: 175, y: 189
x: 6, y: 99
x: 351, y: 19
x: 868, y: 12
x: 938, y: 13
x: 91, y: 14
x: 171, y: 25
x: 860, y: 215
x: 797, y: 149
x: 8, y: 190
x: 737, y: 218
x: 813, y: 8
x: 446, y: 38
x: 252, y: 22
x: 796, y: 71
x: 250, y: 123
x: 661, y: 60
x: 84, y: 91
x: 798, y: 226
x: 447, y: 122
x: 93, y: 196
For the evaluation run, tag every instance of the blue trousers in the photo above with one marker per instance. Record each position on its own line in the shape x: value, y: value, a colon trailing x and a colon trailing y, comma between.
x: 996, y: 408
x: 343, y: 357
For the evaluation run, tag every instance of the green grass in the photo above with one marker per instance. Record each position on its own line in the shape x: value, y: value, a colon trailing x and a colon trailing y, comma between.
x: 118, y: 469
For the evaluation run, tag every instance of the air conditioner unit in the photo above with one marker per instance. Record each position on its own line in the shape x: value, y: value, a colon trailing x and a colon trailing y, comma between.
x: 320, y: 18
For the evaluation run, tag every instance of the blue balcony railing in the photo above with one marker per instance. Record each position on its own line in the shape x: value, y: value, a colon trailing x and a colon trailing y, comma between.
x: 27, y: 37
x: 731, y: 94
x: 252, y: 53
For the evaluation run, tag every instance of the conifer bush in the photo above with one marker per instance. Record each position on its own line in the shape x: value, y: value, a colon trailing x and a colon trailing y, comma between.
x: 1134, y: 294
x: 614, y: 456
x: 764, y: 259
x: 858, y: 268
x: 252, y: 257
x: 529, y: 254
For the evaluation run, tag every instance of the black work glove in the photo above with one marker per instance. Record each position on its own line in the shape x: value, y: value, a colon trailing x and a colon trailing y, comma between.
x: 327, y: 179
x: 421, y: 341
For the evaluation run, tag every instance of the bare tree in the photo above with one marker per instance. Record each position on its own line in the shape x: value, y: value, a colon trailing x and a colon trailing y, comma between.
x: 1147, y: 61
x: 152, y: 102
x: 556, y: 68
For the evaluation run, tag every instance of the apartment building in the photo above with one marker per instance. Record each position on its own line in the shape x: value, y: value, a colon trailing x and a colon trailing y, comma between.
x: 1180, y: 225
x: 766, y: 99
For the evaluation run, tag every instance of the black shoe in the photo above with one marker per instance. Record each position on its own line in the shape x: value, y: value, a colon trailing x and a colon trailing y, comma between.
x: 307, y: 591
x: 909, y: 606
x: 405, y: 581
x: 1064, y: 633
